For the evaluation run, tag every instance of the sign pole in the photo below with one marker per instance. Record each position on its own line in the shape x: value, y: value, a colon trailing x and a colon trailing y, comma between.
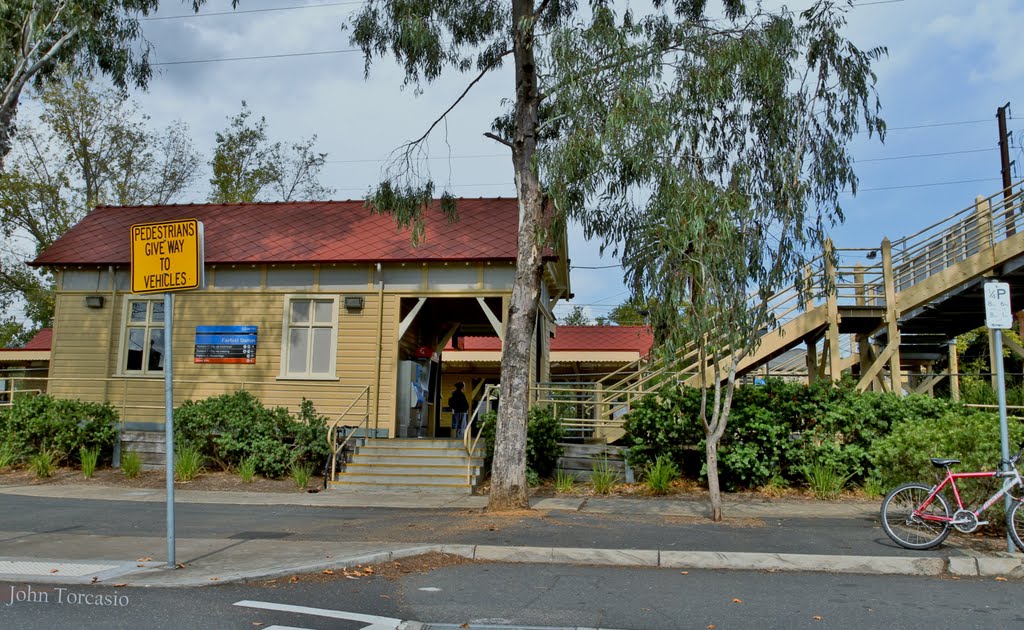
x: 998, y: 316
x: 169, y: 422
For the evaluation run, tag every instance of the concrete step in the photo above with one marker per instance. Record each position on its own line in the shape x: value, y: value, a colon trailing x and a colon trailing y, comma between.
x: 416, y: 460
x: 462, y: 488
x: 409, y: 469
x: 418, y: 479
x: 413, y: 451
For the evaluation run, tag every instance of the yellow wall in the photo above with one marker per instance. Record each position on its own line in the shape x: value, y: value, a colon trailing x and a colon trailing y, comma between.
x: 86, y: 357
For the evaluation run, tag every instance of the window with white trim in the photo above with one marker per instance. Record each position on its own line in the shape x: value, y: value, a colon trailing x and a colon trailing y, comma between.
x: 310, y: 337
x: 143, y: 351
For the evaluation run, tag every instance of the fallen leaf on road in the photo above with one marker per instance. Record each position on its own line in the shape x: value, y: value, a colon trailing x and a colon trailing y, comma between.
x: 1000, y: 579
x: 214, y: 579
x: 293, y: 579
x: 179, y: 566
x: 141, y: 566
x: 817, y: 617
x: 684, y: 572
x: 737, y: 600
x: 119, y: 585
x: 54, y: 570
x: 351, y: 577
x: 465, y: 625
x: 95, y: 579
x: 956, y: 577
x: 712, y: 627
x: 257, y: 623
x: 146, y: 559
x: 386, y: 596
x: 368, y: 569
x: 328, y: 572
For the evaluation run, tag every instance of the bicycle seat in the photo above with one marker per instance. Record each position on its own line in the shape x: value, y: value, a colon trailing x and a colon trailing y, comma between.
x: 942, y: 463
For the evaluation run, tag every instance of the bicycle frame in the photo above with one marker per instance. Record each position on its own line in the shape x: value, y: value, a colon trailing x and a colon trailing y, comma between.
x: 1012, y: 480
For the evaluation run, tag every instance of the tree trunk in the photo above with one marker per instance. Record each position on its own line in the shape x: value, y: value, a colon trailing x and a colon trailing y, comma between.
x: 714, y: 491
x: 7, y: 115
x: 508, y: 471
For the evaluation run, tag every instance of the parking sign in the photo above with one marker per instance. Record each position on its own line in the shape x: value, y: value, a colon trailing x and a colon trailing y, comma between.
x: 997, y: 306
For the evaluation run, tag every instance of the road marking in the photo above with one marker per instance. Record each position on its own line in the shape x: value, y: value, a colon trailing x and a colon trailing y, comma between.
x: 285, y: 628
x: 377, y: 622
x: 430, y: 589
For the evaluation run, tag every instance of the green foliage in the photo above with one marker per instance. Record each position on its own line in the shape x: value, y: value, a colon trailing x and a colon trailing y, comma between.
x: 9, y: 455
x: 532, y: 478
x: 43, y: 464
x: 971, y: 437
x: 775, y: 430
x: 247, y: 469
x: 131, y: 464
x: 564, y: 481
x: 604, y: 476
x: 872, y: 488
x: 230, y: 428
x: 543, y: 434
x: 246, y: 163
x: 576, y: 317
x: 88, y: 457
x: 37, y: 423
x: 301, y: 474
x: 826, y: 480
x: 660, y: 475
x: 188, y: 463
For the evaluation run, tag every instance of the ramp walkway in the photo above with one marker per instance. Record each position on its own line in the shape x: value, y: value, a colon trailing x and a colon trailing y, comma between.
x: 884, y: 313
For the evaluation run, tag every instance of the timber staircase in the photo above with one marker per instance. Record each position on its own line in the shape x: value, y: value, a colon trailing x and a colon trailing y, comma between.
x: 418, y: 464
x: 875, y: 316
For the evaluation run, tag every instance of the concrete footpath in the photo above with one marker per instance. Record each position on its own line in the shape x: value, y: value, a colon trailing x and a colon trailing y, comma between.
x: 51, y: 553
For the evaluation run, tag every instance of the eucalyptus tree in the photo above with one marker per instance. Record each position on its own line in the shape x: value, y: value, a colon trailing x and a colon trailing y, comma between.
x: 89, y: 146
x: 38, y: 36
x: 706, y: 143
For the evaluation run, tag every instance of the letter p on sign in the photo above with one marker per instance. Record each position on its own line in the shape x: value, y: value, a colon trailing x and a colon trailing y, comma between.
x: 997, y: 306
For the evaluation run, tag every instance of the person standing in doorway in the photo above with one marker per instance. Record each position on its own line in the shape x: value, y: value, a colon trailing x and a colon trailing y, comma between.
x: 460, y: 407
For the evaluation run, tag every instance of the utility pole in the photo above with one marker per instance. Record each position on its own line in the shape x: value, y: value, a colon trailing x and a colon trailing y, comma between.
x: 1004, y: 158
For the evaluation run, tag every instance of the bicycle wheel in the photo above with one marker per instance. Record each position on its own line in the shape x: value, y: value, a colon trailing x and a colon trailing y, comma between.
x: 906, y: 529
x: 1015, y: 523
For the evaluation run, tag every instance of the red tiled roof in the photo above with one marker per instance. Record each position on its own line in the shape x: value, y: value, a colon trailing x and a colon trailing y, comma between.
x: 41, y: 341
x: 579, y: 339
x: 299, y: 232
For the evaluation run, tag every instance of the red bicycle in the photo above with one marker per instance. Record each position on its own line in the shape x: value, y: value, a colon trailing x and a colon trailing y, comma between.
x: 918, y: 516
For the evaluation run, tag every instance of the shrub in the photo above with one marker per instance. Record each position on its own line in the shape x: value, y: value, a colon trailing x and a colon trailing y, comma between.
x: 131, y: 464
x: 825, y: 480
x: 564, y: 481
x: 532, y: 478
x: 88, y: 457
x: 660, y: 475
x: 603, y: 477
x: 872, y: 488
x: 544, y: 430
x: 301, y: 474
x: 9, y: 455
x: 188, y: 463
x: 971, y: 437
x: 247, y: 469
x: 37, y: 423
x: 230, y: 428
x: 43, y: 464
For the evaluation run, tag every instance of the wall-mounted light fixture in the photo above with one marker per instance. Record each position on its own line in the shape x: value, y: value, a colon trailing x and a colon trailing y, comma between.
x: 354, y: 302
x: 94, y: 301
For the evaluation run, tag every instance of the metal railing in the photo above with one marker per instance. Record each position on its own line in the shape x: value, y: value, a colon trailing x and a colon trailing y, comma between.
x: 470, y: 442
x: 332, y: 431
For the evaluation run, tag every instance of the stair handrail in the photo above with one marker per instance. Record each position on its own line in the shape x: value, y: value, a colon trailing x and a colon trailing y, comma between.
x: 469, y: 441
x: 333, y: 430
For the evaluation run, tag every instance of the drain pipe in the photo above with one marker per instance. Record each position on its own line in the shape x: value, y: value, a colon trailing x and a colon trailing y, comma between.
x: 380, y: 346
x: 112, y: 333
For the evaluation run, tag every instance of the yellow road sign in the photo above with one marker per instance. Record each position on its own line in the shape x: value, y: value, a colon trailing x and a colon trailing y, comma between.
x: 167, y: 256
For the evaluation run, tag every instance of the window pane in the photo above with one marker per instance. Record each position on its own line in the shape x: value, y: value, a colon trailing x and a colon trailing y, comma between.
x: 298, y: 339
x: 133, y: 351
x: 138, y: 311
x: 158, y: 312
x: 322, y: 350
x: 156, y: 349
x: 300, y: 311
x: 324, y: 309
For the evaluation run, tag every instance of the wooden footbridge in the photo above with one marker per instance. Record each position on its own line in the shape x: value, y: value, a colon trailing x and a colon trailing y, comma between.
x: 885, y: 314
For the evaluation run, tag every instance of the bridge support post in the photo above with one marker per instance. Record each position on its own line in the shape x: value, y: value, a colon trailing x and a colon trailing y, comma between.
x: 954, y: 370
x: 832, y: 305
x: 892, y: 318
x: 812, y: 360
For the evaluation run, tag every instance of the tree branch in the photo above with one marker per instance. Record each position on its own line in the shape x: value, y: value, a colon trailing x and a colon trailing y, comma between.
x: 498, y: 138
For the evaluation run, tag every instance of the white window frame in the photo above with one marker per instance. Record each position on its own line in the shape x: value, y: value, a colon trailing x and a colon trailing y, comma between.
x: 287, y: 325
x: 147, y: 326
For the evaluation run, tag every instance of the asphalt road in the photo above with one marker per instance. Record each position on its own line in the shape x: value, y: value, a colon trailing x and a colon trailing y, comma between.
x: 849, y: 536
x: 515, y: 596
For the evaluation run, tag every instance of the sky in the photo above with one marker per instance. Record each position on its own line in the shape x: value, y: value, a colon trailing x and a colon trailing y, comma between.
x: 950, y: 64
